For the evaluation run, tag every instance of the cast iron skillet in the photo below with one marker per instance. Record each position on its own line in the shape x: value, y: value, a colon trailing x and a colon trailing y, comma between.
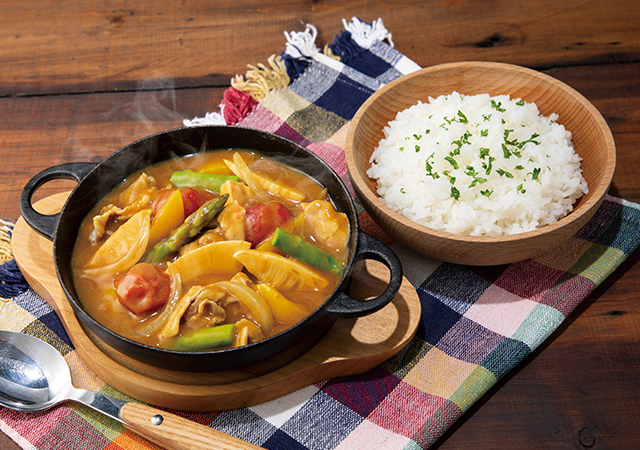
x: 96, y: 179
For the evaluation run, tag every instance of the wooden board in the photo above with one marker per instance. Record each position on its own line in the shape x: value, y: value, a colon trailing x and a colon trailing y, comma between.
x: 352, y: 346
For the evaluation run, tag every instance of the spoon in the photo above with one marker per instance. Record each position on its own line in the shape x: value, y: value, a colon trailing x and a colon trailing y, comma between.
x: 35, y: 377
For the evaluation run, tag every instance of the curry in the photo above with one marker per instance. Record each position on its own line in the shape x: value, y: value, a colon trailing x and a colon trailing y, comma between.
x: 214, y: 250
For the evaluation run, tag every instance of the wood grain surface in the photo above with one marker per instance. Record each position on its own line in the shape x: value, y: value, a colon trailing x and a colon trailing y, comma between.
x: 80, y: 79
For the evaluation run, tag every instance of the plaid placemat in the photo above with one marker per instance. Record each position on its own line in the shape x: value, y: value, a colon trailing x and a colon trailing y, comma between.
x: 477, y: 323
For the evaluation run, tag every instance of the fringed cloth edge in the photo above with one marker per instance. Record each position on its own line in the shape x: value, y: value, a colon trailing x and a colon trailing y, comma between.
x: 248, y: 90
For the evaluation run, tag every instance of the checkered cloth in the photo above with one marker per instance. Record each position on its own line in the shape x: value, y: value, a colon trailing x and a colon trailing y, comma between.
x: 477, y: 323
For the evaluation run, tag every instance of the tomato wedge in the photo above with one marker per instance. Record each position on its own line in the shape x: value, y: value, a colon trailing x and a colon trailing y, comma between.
x: 262, y: 219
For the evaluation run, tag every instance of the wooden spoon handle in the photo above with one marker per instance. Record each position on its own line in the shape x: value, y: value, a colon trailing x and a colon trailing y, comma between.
x: 174, y: 432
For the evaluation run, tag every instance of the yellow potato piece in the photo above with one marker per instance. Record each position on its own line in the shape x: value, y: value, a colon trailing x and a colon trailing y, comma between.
x: 216, y: 167
x: 216, y: 258
x: 283, y: 309
x: 124, y: 248
x: 281, y: 272
x: 169, y: 216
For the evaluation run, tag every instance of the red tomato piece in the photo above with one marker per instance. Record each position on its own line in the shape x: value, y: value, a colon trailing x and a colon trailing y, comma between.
x: 192, y: 200
x: 262, y: 219
x: 144, y: 288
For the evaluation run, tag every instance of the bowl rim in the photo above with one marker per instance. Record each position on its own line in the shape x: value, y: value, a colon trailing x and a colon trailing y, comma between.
x: 586, y: 209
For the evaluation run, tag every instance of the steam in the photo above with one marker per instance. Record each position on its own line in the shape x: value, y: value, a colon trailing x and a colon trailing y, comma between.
x: 153, y: 109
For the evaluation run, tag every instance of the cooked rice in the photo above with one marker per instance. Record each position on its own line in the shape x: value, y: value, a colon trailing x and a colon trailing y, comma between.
x: 477, y: 165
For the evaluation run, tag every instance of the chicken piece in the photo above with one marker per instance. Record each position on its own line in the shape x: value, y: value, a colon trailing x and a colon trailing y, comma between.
x: 205, y: 238
x: 247, y: 332
x: 326, y: 225
x: 238, y: 192
x: 196, y: 294
x: 231, y: 221
x: 136, y: 197
x: 204, y: 312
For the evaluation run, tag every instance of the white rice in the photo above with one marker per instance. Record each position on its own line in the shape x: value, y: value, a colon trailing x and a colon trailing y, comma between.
x: 415, y: 165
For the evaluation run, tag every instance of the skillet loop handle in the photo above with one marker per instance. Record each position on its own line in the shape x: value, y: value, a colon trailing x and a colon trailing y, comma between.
x: 370, y: 248
x: 43, y: 223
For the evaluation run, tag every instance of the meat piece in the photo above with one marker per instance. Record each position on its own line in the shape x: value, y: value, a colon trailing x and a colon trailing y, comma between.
x: 144, y: 288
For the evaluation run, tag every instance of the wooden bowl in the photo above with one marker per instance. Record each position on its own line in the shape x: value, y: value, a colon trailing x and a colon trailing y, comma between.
x: 592, y: 141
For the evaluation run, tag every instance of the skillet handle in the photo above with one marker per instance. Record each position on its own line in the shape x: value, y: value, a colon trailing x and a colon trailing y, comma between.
x: 370, y: 248
x: 43, y: 223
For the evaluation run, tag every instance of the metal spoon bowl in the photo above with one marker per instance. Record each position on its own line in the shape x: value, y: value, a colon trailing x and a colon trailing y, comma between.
x: 34, y: 376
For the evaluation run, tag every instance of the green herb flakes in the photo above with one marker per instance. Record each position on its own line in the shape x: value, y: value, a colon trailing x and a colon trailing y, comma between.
x: 497, y: 106
x: 451, y: 161
x: 455, y: 193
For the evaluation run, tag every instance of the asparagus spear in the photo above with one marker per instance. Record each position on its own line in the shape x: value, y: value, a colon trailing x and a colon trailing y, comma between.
x: 189, y: 228
x: 298, y: 248
x: 190, y: 178
x: 206, y: 338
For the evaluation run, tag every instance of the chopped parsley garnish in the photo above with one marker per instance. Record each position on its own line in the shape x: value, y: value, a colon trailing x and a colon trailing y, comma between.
x: 417, y: 148
x: 486, y: 192
x: 504, y: 173
x: 451, y: 161
x: 484, y: 133
x: 536, y: 173
x: 497, y: 106
x: 429, y: 168
x: 520, y: 189
x: 520, y: 102
x: 455, y: 193
x: 488, y: 165
x: 506, y: 152
x: 462, y: 118
x: 470, y: 171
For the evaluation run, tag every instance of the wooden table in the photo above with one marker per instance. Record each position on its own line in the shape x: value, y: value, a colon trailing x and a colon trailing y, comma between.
x: 80, y: 79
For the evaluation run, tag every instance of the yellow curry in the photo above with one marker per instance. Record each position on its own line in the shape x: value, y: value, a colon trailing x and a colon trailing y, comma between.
x: 214, y: 250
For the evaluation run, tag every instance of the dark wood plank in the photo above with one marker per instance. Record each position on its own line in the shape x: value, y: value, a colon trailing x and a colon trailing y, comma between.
x: 44, y: 131
x: 64, y: 47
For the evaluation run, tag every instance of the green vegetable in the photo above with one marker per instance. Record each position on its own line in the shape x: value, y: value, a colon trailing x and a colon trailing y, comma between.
x: 451, y: 161
x: 190, y: 178
x: 535, y: 173
x: 206, y: 338
x: 191, y: 226
x: 300, y: 249
x: 455, y: 193
x: 497, y: 106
